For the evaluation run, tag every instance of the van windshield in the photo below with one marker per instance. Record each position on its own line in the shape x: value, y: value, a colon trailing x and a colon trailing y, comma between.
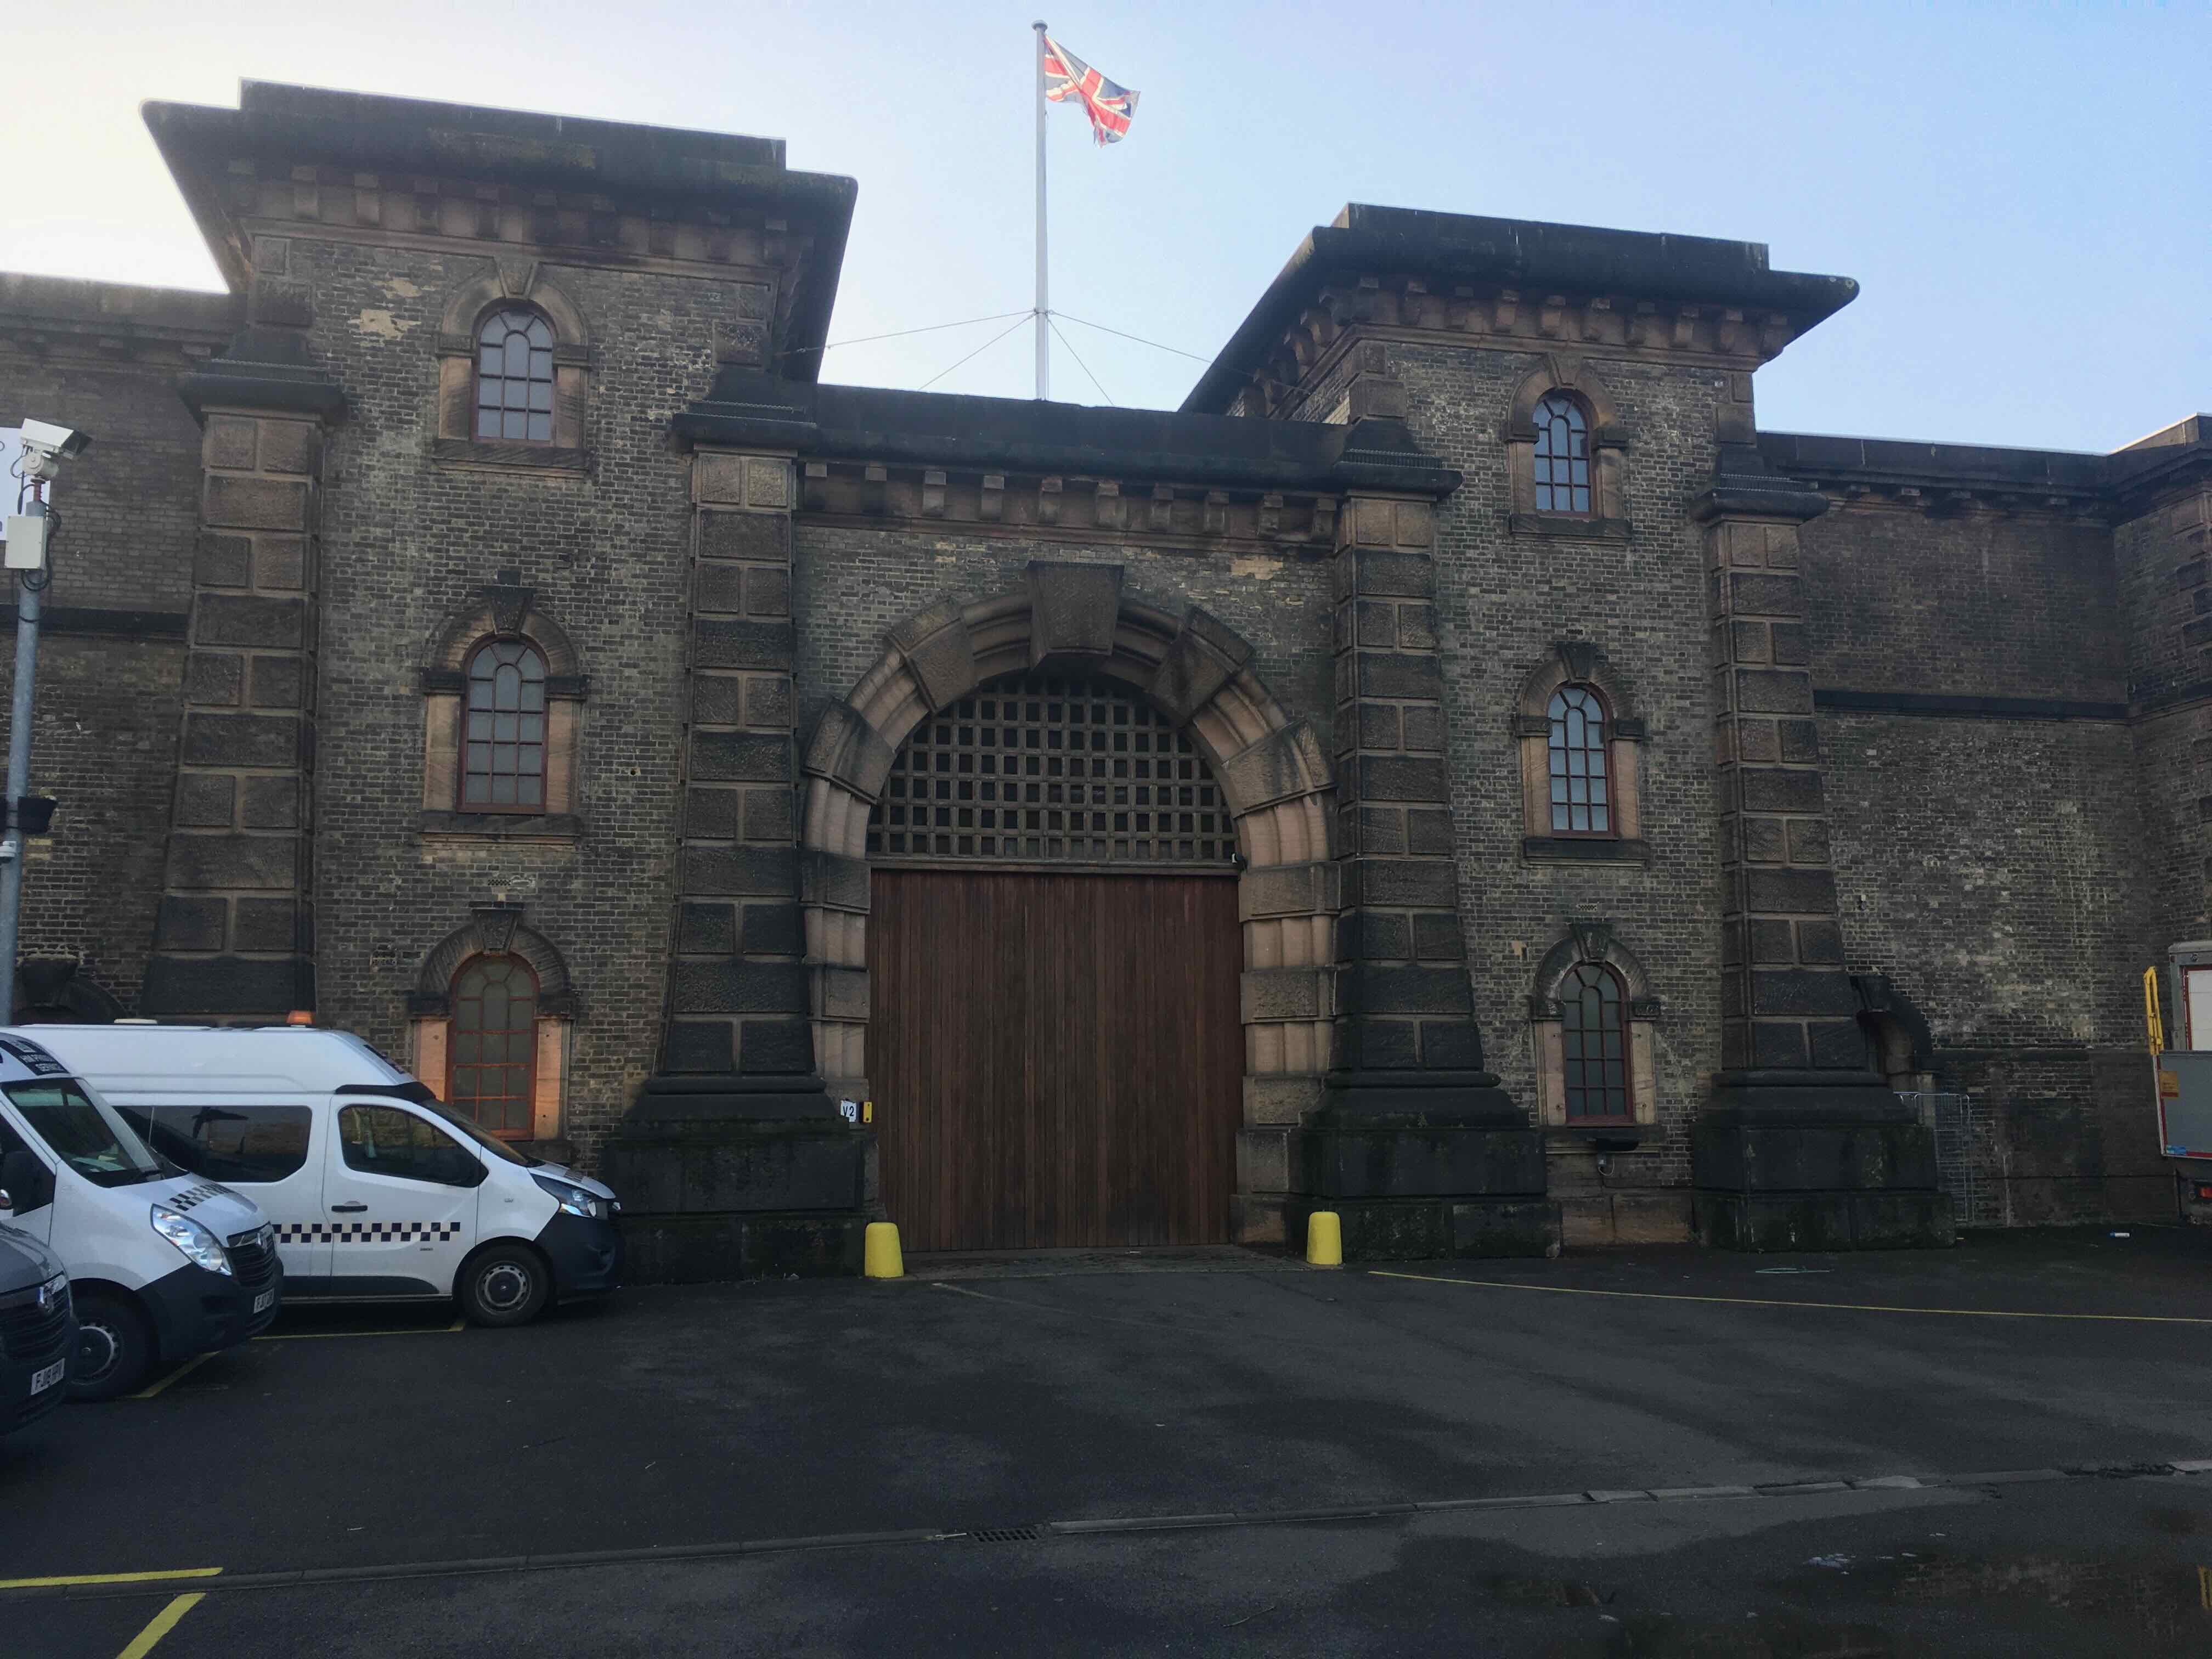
x: 492, y: 1144
x: 96, y: 1143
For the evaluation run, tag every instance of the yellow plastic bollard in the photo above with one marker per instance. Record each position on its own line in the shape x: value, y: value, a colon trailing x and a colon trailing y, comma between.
x: 1324, y: 1240
x: 879, y: 1253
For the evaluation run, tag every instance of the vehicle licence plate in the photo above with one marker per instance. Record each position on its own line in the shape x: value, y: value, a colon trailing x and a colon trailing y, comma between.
x: 264, y: 1302
x: 41, y: 1380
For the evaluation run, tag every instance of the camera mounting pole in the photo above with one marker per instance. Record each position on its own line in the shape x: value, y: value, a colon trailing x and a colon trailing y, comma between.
x: 45, y: 446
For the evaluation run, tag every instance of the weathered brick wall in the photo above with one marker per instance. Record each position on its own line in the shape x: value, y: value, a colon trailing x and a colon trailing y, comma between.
x: 1996, y: 868
x: 102, y: 358
x: 2163, y: 556
x: 1505, y: 600
x: 1989, y: 867
x: 852, y: 585
x: 406, y: 540
x: 1979, y: 603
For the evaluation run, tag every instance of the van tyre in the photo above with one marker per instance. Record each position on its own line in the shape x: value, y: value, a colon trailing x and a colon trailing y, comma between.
x: 114, y: 1347
x: 506, y: 1285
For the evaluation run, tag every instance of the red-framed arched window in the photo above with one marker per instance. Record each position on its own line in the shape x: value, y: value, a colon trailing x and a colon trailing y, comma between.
x: 492, y: 1074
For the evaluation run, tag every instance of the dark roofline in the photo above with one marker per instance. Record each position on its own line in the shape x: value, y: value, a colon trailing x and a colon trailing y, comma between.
x: 89, y: 306
x: 376, y: 133
x: 932, y: 428
x: 2178, y: 451
x: 1366, y: 240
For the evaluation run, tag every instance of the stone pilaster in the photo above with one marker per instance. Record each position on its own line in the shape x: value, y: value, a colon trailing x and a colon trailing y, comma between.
x: 734, y: 1160
x: 1415, y: 1147
x: 235, y: 937
x: 1803, y: 1147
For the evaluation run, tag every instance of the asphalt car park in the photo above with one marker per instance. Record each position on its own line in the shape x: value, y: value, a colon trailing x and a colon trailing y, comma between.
x: 1219, y: 1453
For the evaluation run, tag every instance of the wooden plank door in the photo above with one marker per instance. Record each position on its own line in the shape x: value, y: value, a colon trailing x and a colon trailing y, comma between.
x: 1057, y: 1059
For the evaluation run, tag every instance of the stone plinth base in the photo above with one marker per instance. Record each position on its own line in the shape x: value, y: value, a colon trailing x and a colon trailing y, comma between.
x: 1432, y: 1229
x: 1422, y: 1167
x: 691, y: 1249
x: 1824, y: 1163
x: 740, y: 1178
x: 1824, y: 1221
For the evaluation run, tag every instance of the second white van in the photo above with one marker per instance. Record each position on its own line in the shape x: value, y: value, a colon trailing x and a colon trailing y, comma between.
x: 376, y: 1190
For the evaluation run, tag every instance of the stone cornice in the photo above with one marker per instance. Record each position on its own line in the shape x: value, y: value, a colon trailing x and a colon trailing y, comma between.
x: 747, y: 409
x: 1514, y: 281
x: 1956, y: 479
x: 493, y: 180
x: 1077, y: 508
x: 1727, y: 338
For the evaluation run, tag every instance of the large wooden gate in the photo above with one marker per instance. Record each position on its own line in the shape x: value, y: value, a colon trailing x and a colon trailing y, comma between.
x: 1056, y: 1057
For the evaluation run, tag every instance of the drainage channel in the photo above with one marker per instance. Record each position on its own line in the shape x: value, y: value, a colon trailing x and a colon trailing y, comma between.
x: 162, y: 1584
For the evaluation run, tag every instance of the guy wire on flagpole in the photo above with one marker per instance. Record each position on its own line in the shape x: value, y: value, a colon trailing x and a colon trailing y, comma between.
x: 1044, y: 349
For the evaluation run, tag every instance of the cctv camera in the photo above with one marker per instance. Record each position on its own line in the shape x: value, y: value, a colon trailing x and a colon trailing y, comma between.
x: 65, y: 443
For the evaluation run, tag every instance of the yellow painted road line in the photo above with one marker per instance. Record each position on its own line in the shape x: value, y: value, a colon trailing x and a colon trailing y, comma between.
x: 1778, y: 1302
x: 320, y: 1336
x: 110, y: 1579
x: 191, y: 1364
x: 164, y: 1622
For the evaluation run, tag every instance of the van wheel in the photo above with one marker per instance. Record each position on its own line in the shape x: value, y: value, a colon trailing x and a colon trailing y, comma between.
x: 114, y: 1349
x: 506, y: 1285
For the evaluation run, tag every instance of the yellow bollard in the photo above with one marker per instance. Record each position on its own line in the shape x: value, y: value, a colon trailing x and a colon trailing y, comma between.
x: 879, y: 1253
x: 1324, y: 1240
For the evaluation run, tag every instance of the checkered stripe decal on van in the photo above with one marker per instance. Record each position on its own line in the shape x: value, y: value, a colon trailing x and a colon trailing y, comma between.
x: 193, y: 1195
x: 366, y: 1232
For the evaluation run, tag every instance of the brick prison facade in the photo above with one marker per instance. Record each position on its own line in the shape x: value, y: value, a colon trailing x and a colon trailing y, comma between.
x: 1459, y: 744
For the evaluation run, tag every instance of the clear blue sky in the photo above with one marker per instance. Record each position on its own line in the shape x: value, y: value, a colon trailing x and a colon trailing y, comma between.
x: 2021, y: 191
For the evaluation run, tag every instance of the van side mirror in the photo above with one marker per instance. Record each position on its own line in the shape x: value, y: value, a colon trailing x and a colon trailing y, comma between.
x: 7, y: 1206
x: 23, y: 1175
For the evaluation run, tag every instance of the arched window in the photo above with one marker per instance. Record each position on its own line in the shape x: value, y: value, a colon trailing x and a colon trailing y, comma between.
x: 1581, y: 803
x: 1561, y: 457
x: 503, y: 758
x: 515, y: 377
x: 1594, y: 1045
x: 494, y: 1064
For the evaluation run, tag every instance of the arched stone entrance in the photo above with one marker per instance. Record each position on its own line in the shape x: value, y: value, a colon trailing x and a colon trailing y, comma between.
x: 1271, y: 768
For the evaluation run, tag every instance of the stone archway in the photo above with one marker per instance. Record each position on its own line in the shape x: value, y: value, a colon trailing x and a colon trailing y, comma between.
x: 1271, y: 767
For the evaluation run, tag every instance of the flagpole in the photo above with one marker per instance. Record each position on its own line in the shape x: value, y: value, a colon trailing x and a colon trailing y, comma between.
x: 1043, y: 354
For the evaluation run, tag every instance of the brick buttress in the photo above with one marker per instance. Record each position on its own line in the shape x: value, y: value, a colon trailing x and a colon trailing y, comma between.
x: 734, y: 1162
x: 1415, y: 1147
x: 1803, y: 1147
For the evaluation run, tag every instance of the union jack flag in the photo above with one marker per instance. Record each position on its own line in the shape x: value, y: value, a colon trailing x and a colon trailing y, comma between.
x: 1110, y: 107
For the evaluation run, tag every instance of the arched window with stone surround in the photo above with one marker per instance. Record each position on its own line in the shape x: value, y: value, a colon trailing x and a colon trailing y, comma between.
x: 1575, y: 749
x: 1582, y: 740
x: 504, y: 742
x: 1592, y: 1016
x: 491, y: 1015
x: 1561, y: 457
x: 514, y: 376
x: 1594, y: 1046
x: 492, y: 1074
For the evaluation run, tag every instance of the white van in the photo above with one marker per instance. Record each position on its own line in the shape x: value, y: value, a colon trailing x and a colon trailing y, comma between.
x: 161, y: 1265
x: 378, y: 1192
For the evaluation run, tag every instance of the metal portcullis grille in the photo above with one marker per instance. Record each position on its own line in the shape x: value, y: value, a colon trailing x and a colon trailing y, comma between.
x: 1038, y: 769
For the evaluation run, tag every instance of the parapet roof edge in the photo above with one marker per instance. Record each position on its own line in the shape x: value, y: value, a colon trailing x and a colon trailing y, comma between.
x: 1024, y: 435
x: 95, y: 303
x: 2146, y: 463
x: 1577, y: 259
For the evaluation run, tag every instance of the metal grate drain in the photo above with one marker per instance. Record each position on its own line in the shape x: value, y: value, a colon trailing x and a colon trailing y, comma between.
x: 1006, y: 1535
